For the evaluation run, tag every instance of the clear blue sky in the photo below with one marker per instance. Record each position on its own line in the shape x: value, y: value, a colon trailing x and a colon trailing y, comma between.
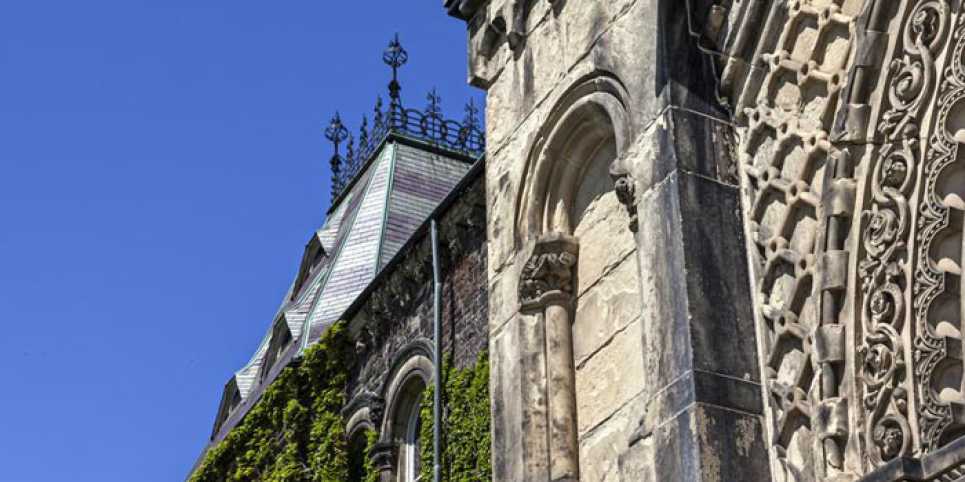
x: 161, y: 168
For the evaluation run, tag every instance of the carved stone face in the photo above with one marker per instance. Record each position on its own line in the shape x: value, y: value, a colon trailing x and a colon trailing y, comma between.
x: 889, y: 440
x: 925, y: 25
x: 878, y: 361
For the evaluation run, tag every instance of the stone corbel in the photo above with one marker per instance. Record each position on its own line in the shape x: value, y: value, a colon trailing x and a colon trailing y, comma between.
x: 626, y: 190
x: 546, y: 290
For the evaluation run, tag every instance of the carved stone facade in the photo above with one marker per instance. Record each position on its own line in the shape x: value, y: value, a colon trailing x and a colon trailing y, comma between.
x: 725, y: 237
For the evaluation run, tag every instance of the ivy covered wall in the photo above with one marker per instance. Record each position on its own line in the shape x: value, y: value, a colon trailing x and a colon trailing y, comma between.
x: 294, y: 433
x: 466, y: 436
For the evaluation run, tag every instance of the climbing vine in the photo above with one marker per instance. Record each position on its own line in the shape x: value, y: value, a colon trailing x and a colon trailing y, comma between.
x: 295, y: 432
x: 466, y: 437
x: 371, y: 474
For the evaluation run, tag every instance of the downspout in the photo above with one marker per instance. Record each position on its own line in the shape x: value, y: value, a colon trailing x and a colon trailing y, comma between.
x: 437, y: 356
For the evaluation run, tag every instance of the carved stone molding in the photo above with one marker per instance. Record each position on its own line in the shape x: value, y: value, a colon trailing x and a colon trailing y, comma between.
x: 887, y: 235
x: 548, y: 275
x: 510, y: 20
x: 377, y: 410
x: 842, y: 406
x: 373, y: 402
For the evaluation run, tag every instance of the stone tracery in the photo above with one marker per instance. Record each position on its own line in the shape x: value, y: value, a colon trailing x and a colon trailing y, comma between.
x: 797, y: 186
x: 905, y: 262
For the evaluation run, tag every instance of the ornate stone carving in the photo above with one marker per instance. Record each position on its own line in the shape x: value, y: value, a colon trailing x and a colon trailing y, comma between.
x: 376, y: 410
x: 798, y: 204
x: 881, y: 352
x: 938, y: 354
x: 548, y: 275
x: 887, y: 237
x: 546, y: 289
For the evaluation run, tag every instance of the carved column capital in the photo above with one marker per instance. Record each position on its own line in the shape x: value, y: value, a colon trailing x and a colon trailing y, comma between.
x: 383, y: 456
x: 547, y: 277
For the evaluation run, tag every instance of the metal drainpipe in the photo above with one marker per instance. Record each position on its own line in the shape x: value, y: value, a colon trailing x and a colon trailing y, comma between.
x: 437, y: 356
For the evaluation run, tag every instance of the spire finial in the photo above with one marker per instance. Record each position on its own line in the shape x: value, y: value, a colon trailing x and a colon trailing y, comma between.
x: 378, y: 123
x: 395, y: 56
x: 472, y: 115
x: 336, y: 133
x: 470, y: 135
x: 351, y: 159
x: 434, y: 106
x: 364, y: 138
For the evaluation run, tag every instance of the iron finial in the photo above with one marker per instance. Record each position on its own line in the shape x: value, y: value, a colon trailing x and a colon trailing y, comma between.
x: 336, y: 131
x: 395, y: 56
x: 435, y: 102
x: 472, y: 115
x: 364, y: 137
x: 379, y: 121
x: 350, y: 159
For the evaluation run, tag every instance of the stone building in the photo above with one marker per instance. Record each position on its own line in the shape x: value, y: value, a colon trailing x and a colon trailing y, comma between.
x: 725, y: 237
x: 371, y: 267
x: 723, y: 242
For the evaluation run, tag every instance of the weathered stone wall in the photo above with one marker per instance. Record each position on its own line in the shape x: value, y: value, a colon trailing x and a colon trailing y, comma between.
x: 791, y: 171
x: 663, y: 344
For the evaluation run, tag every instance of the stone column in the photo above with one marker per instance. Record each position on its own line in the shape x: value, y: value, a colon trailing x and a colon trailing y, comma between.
x: 546, y: 290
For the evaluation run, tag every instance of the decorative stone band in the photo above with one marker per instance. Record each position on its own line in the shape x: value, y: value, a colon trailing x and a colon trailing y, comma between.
x: 547, y: 278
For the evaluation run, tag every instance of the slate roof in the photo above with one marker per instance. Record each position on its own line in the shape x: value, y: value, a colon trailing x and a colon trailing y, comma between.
x: 392, y: 196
